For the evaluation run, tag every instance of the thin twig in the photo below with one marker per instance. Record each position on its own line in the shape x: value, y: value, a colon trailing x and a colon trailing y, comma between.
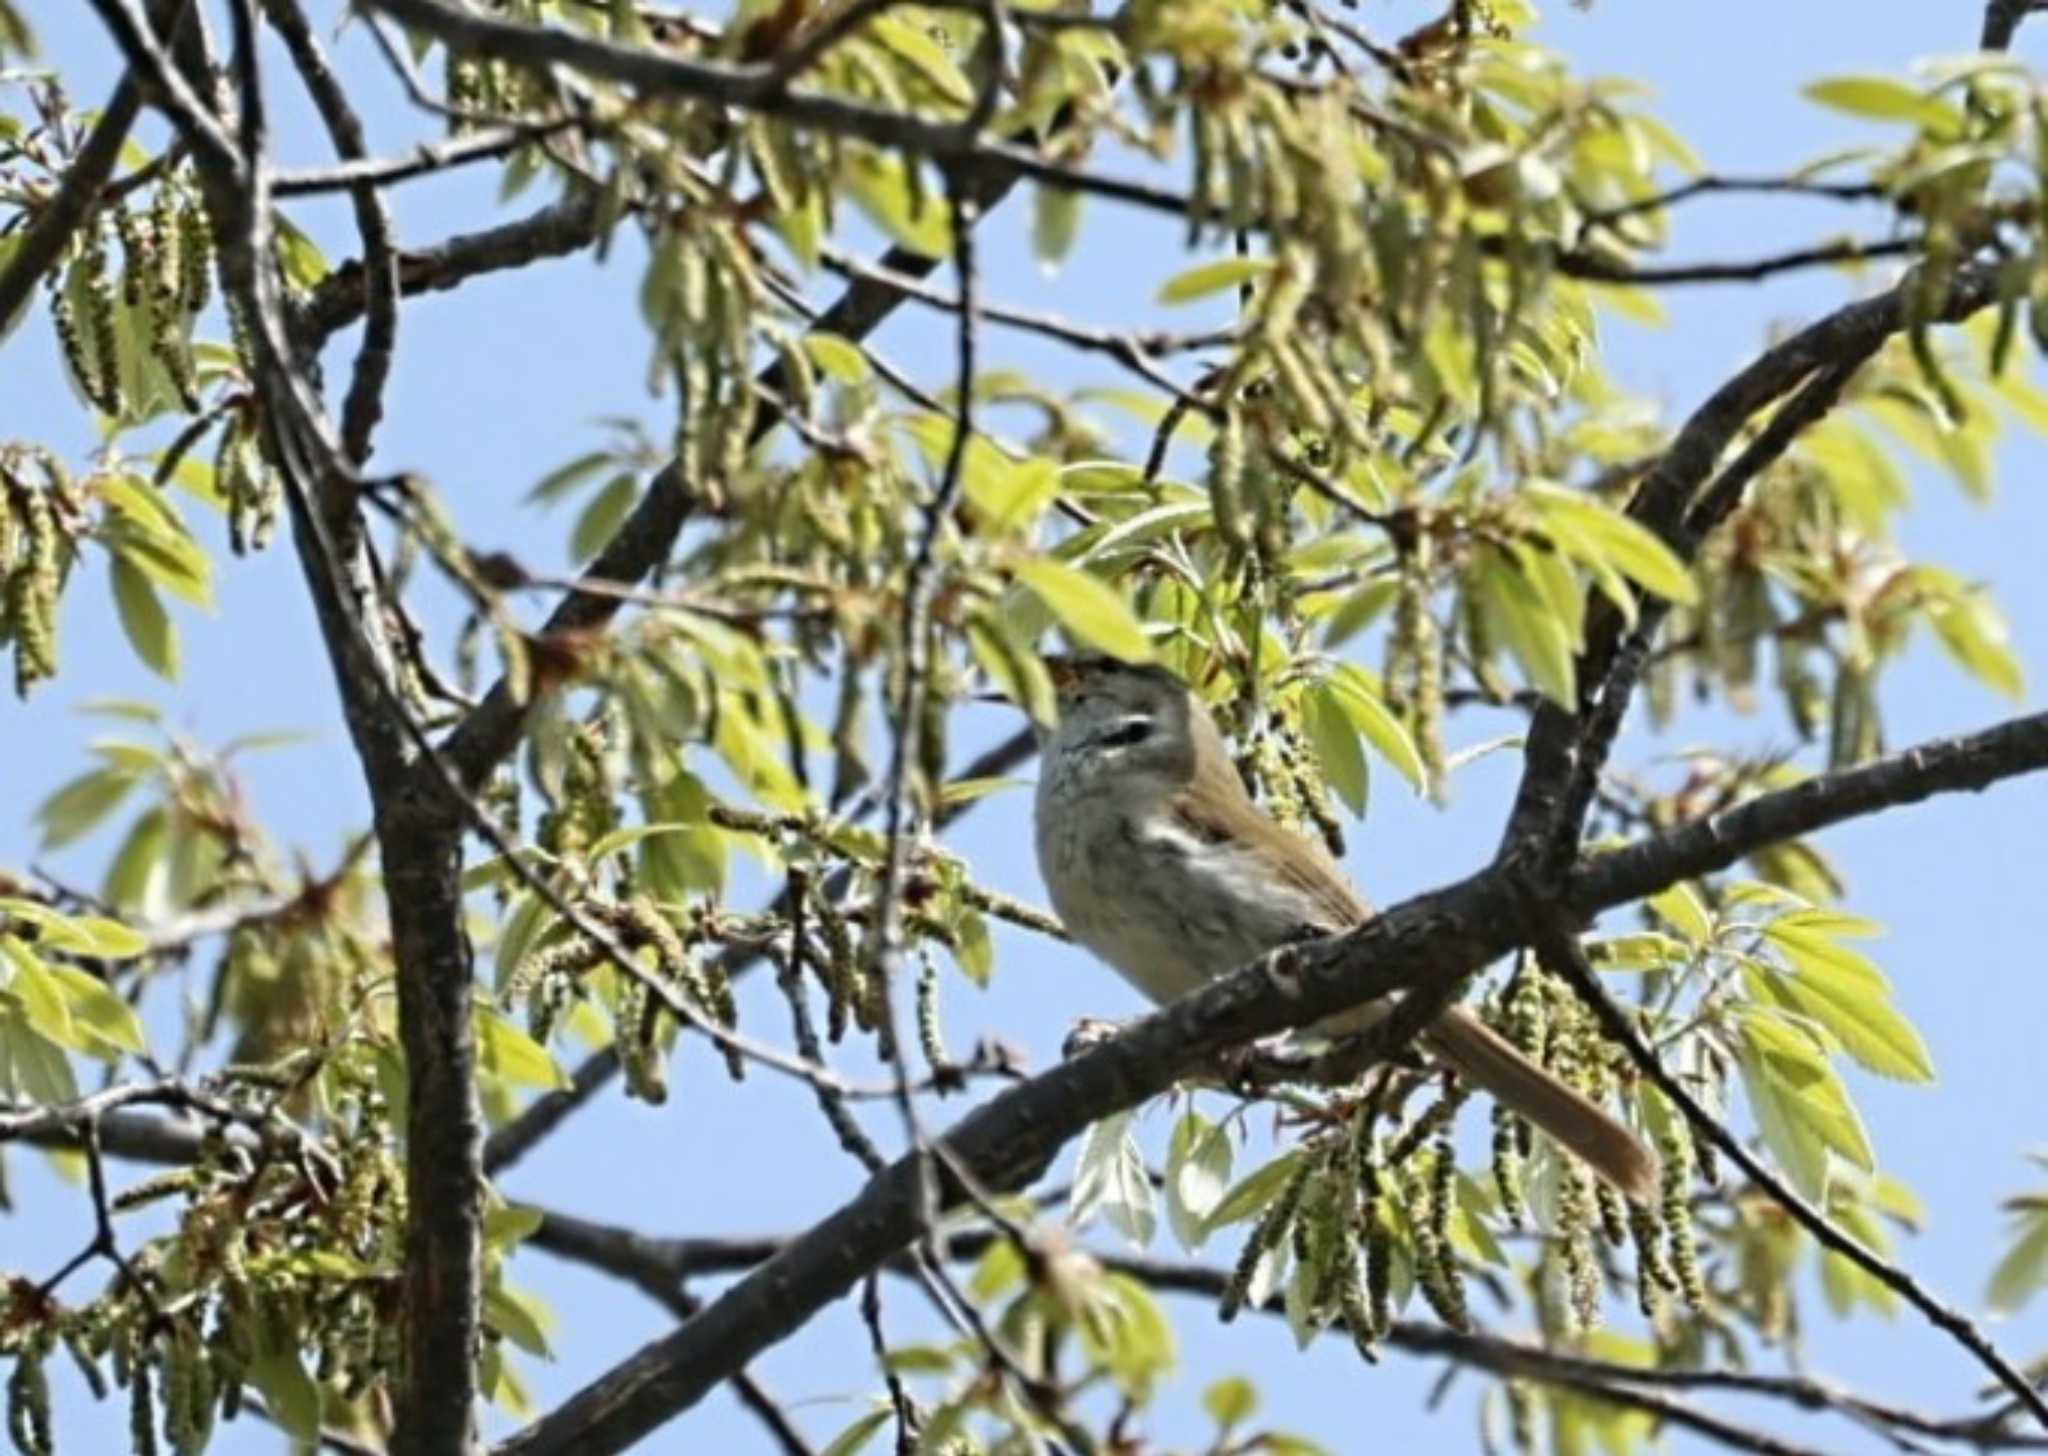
x: 1560, y: 950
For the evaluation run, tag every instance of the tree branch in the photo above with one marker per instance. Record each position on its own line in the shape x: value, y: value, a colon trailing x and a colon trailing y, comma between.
x: 1662, y: 503
x: 647, y: 1262
x: 364, y: 405
x: 1969, y: 762
x: 2002, y: 19
x: 72, y: 203
x: 1559, y: 948
x: 1431, y: 942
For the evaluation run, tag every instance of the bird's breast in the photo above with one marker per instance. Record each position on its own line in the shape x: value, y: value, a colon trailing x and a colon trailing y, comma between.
x: 1161, y: 906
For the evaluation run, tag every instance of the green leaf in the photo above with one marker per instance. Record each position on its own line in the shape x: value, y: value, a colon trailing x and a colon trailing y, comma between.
x: 531, y: 915
x: 290, y: 1394
x: 99, y: 1009
x: 1017, y: 672
x: 1679, y: 908
x: 878, y: 184
x: 856, y: 1437
x: 920, y: 1360
x: 1626, y: 544
x: 974, y: 951
x: 39, y: 1066
x: 1088, y: 608
x: 838, y: 357
x: 511, y: 1224
x: 1335, y: 740
x: 565, y: 478
x: 137, y: 877
x: 1135, y: 530
x: 1789, y: 1078
x: 600, y: 519
x: 1206, y: 278
x: 1055, y: 223
x: 149, y: 627
x: 1000, y: 1269
x: 1254, y: 1191
x: 2023, y: 1270
x: 89, y: 935
x: 913, y: 46
x: 1197, y: 1171
x: 76, y: 809
x: 1524, y: 621
x: 1231, y: 1401
x: 1368, y: 712
x: 1974, y: 633
x: 520, y: 1318
x: 304, y: 264
x: 1862, y: 1018
x: 173, y: 561
x: 1016, y: 494
x: 1111, y: 1178
x: 1880, y: 98
x: 1360, y: 610
x: 1643, y: 951
x: 969, y: 791
x: 509, y: 1054
x: 37, y: 992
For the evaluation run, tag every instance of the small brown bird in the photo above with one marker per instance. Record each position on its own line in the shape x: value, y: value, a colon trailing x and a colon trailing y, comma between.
x: 1161, y: 864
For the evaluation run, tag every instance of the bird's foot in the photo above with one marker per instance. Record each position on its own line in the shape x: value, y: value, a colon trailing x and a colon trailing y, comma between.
x: 1089, y: 1033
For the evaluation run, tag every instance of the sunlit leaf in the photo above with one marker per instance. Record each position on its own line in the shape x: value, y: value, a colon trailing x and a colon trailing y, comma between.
x: 1206, y: 278
x: 148, y: 626
x: 1110, y: 1178
x: 1087, y: 607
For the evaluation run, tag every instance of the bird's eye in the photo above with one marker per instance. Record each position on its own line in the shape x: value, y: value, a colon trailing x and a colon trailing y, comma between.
x: 1127, y: 734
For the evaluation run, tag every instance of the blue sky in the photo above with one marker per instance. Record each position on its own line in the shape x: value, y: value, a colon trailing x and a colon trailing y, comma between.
x: 499, y: 383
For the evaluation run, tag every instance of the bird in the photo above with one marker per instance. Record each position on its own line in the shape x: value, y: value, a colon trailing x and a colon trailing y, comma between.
x: 1159, y: 862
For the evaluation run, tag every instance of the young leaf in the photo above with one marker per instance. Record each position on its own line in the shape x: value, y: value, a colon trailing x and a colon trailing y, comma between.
x: 1111, y: 1177
x: 857, y: 1437
x: 1231, y: 1401
x: 2024, y: 1269
x: 1335, y: 740
x: 1206, y: 278
x: 75, y: 809
x: 506, y: 1052
x: 1055, y: 223
x: 1880, y: 98
x: 1087, y: 607
x: 838, y: 357
x: 1254, y: 1191
x: 148, y: 626
x: 1386, y: 733
x: 1197, y: 1171
x: 1523, y: 620
x: 96, y: 1008
x: 600, y: 518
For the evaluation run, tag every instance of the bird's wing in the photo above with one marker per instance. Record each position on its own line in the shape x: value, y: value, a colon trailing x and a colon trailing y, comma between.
x: 1216, y: 809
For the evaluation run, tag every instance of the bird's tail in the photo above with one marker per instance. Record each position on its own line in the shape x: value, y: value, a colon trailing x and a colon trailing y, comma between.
x: 1570, y: 1117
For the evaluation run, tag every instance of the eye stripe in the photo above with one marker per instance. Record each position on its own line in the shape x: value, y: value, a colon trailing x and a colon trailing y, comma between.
x: 1127, y: 734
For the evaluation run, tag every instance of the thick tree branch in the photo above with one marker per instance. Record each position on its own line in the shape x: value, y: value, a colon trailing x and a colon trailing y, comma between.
x: 1969, y: 762
x: 643, y: 541
x: 1432, y: 942
x: 364, y: 405
x: 554, y: 231
x: 2002, y: 19
x: 649, y: 1263
x: 1663, y: 502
